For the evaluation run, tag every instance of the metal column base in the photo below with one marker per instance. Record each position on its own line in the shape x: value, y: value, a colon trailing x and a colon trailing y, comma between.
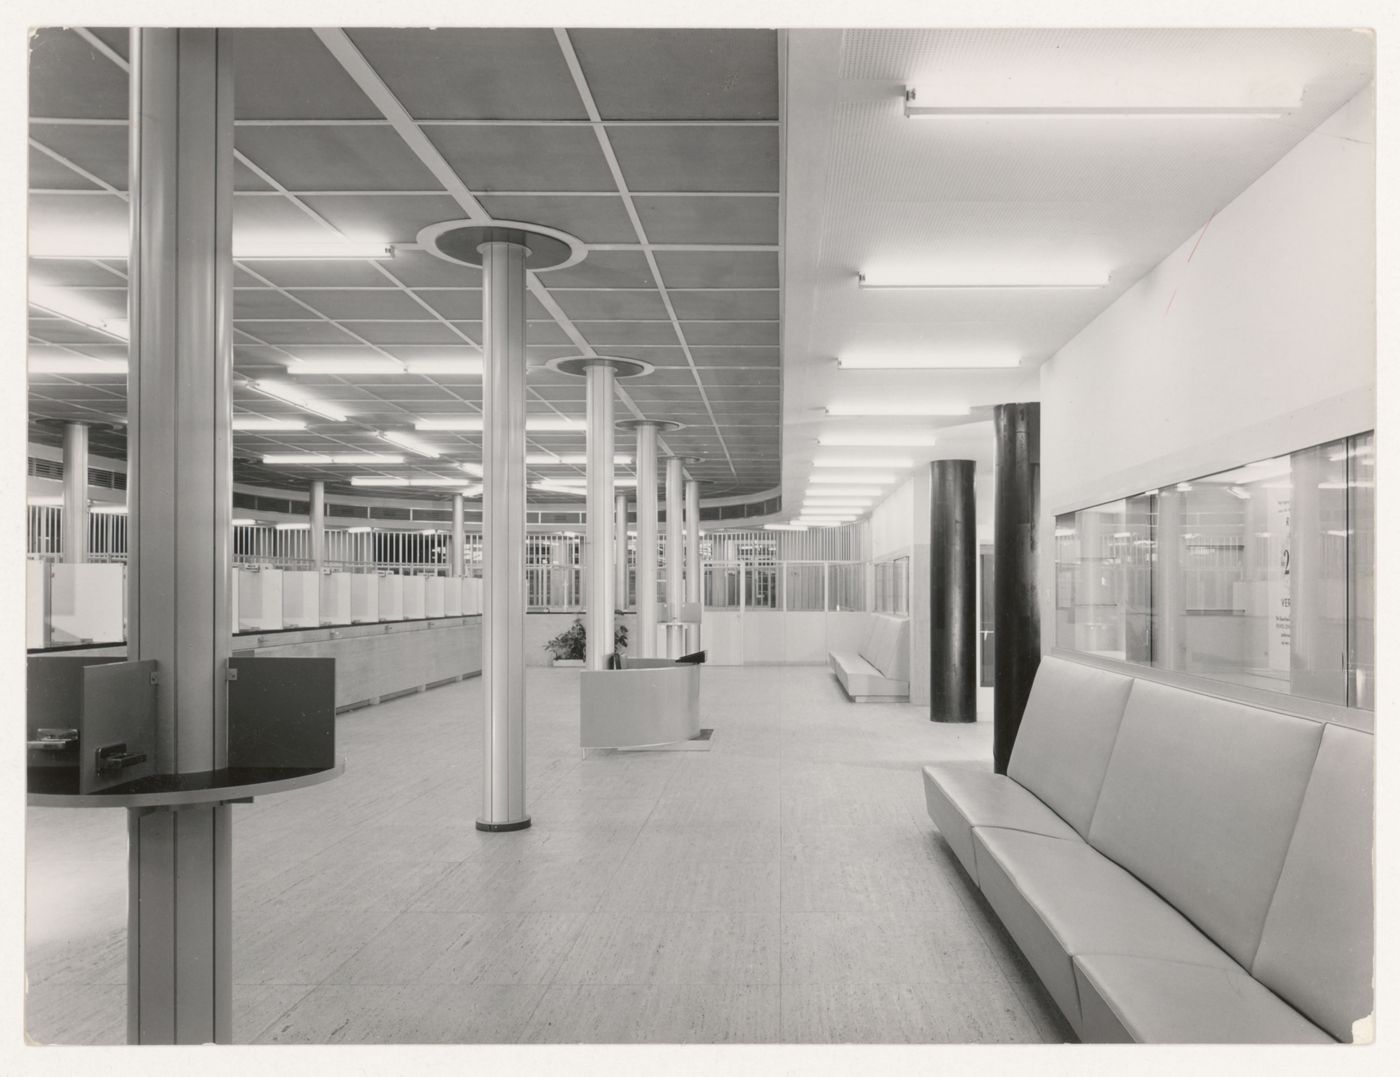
x: 520, y: 824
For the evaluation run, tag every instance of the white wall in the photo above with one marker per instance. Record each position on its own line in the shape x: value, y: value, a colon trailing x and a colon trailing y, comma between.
x: 1254, y: 338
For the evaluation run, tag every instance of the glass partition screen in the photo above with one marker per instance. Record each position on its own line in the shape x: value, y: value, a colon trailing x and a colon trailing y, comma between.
x: 1262, y: 575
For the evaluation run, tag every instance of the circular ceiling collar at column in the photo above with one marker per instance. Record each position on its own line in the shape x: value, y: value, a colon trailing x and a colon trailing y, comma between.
x: 577, y: 365
x: 461, y: 242
x: 662, y: 425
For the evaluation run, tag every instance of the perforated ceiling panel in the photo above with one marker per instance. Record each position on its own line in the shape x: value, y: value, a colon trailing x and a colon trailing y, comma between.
x: 683, y: 235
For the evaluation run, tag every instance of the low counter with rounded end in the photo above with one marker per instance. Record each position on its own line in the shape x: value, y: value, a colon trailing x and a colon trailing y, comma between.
x: 652, y: 701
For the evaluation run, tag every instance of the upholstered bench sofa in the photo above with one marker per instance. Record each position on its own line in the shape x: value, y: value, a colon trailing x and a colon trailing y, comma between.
x: 1176, y: 867
x: 879, y: 672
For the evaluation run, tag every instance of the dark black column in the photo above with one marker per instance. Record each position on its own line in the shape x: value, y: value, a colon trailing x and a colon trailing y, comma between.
x: 952, y: 592
x: 1017, y: 504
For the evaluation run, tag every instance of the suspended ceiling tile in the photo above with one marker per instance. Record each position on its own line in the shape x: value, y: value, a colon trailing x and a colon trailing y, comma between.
x: 724, y: 306
x: 116, y: 38
x: 393, y: 218
x: 641, y: 304
x: 287, y: 74
x: 545, y: 333
x: 697, y: 158
x: 47, y: 174
x: 708, y: 218
x: 100, y: 150
x: 458, y: 73
x: 458, y: 304
x: 514, y: 158
x: 63, y: 272
x: 69, y: 79
x: 721, y: 333
x: 296, y: 332
x: 648, y: 74
x: 293, y: 272
x: 275, y: 218
x: 602, y: 334
x: 103, y: 218
x: 391, y: 303
x: 419, y: 268
x: 738, y: 380
x: 404, y: 332
x: 591, y: 218
x: 335, y: 158
x: 603, y: 269
x: 251, y: 303
x: 439, y: 351
x: 718, y: 269
x: 706, y: 356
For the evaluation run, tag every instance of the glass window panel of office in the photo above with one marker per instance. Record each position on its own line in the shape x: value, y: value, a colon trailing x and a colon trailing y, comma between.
x: 1103, y: 592
x: 1251, y: 582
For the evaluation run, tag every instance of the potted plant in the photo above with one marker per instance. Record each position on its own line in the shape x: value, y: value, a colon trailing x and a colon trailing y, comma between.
x: 570, y: 647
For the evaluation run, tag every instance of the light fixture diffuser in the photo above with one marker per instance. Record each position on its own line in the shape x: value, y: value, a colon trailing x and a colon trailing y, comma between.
x: 409, y: 442
x: 473, y: 423
x: 832, y: 478
x: 915, y: 439
x: 986, y: 277
x: 253, y: 423
x: 76, y: 364
x: 880, y: 409
x: 960, y: 360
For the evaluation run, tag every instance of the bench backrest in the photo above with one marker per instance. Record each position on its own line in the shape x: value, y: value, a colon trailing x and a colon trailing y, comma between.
x: 886, y: 646
x: 1066, y: 736
x: 1318, y: 943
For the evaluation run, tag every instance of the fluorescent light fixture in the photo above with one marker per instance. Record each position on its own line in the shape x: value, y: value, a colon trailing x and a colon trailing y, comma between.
x: 350, y: 364
x: 848, y: 491
x: 358, y: 530
x: 255, y: 423
x: 554, y: 488
x: 75, y: 307
x: 45, y: 501
x: 573, y: 458
x: 960, y: 276
x: 293, y: 527
x: 108, y: 509
x: 75, y: 364
x: 409, y: 442
x: 364, y: 458
x: 1243, y: 495
x: 1064, y: 532
x: 289, y: 394
x: 881, y: 409
x: 1274, y: 110
x: 863, y: 461
x: 472, y: 423
x: 472, y: 469
x: 825, y: 521
x: 832, y: 478
x: 1122, y: 534
x: 785, y: 527
x: 915, y: 439
x: 928, y: 361
x: 823, y: 503
x: 582, y: 483
x: 243, y: 521
x: 444, y: 365
x: 390, y: 480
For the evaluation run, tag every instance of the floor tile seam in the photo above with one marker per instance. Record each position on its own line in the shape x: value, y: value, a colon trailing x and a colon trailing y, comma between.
x: 360, y: 949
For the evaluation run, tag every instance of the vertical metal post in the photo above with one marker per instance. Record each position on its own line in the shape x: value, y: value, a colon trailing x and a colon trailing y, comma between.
x: 503, y: 536
x: 179, y: 981
x: 675, y: 559
x: 620, y: 552
x: 458, y: 566
x: 318, y: 525
x: 646, y: 540
x: 693, y: 569
x: 952, y: 591
x: 1016, y: 496
x: 598, y: 552
x: 75, y: 488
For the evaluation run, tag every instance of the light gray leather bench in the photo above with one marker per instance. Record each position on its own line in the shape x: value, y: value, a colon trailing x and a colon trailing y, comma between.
x: 1176, y: 868
x: 879, y: 673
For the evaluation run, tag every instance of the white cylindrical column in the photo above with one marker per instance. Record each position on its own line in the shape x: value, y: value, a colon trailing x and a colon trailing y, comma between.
x: 503, y: 536
x: 598, y: 549
x: 75, y: 488
x: 620, y: 552
x: 179, y: 475
x: 675, y: 558
x: 693, y: 570
x: 646, y: 540
x: 458, y: 566
x: 318, y: 525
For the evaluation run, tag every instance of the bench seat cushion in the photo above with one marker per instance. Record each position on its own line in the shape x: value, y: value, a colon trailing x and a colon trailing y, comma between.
x: 1130, y: 999
x: 861, y: 679
x: 962, y: 795
x: 1060, y: 898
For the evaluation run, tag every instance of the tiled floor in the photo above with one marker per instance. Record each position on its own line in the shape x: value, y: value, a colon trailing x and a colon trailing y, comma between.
x: 785, y: 886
